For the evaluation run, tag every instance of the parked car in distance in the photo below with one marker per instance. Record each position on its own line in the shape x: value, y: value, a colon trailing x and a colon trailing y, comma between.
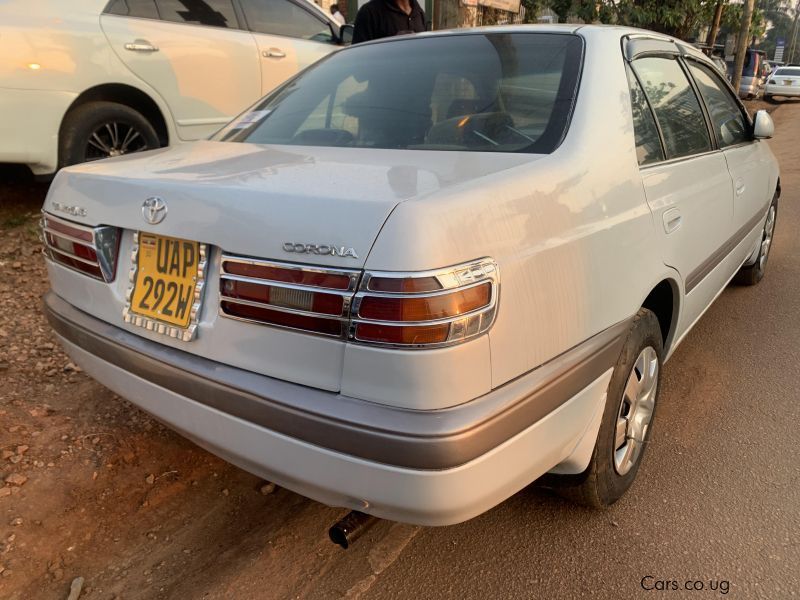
x: 412, y: 292
x: 785, y: 82
x: 96, y: 78
x: 753, y: 74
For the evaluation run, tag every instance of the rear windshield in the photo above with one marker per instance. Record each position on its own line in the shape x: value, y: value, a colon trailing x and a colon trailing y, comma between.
x: 494, y: 92
x: 787, y: 72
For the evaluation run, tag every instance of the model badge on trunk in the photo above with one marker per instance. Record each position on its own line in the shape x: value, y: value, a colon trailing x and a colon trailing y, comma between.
x: 320, y: 249
x: 154, y: 210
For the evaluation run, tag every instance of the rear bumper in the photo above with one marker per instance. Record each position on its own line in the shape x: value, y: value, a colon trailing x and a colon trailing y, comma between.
x: 428, y: 467
x: 29, y: 125
x: 749, y: 87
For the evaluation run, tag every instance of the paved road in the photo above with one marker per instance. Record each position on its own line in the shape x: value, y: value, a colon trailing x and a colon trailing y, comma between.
x: 717, y: 500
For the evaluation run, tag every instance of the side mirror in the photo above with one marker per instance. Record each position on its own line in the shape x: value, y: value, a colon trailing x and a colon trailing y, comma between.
x: 763, y: 127
x: 346, y: 34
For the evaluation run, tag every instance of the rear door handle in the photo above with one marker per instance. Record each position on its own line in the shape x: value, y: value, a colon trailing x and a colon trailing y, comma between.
x: 141, y: 46
x: 740, y: 187
x: 273, y: 53
x: 672, y: 220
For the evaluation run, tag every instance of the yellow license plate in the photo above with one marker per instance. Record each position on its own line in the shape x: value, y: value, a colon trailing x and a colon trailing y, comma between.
x: 166, y: 276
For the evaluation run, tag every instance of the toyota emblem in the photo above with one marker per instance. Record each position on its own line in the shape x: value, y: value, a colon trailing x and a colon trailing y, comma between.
x: 154, y: 210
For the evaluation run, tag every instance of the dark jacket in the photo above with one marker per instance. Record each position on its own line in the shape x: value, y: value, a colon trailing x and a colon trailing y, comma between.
x: 382, y: 18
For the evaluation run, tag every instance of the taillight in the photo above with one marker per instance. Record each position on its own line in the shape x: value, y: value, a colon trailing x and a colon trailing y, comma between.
x: 89, y: 250
x: 298, y: 297
x: 426, y: 309
x: 411, y: 310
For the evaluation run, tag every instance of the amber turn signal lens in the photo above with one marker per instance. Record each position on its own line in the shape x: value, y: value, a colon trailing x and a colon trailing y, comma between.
x: 429, y: 308
x: 407, y: 285
x: 402, y: 334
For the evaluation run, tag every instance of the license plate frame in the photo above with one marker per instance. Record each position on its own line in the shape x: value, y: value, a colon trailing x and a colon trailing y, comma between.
x: 172, y: 330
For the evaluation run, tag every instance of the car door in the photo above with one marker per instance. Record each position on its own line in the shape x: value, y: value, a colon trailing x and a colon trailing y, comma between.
x: 290, y: 37
x: 193, y: 53
x: 748, y: 161
x: 686, y: 181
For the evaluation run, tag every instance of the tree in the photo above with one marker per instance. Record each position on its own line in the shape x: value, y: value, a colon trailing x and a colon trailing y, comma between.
x: 712, y: 33
x: 744, y: 38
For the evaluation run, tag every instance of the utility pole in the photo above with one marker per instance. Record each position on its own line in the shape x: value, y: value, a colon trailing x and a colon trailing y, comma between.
x: 712, y: 34
x: 744, y: 37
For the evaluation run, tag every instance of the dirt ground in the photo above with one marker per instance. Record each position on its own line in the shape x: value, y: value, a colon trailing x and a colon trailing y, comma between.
x: 93, y: 488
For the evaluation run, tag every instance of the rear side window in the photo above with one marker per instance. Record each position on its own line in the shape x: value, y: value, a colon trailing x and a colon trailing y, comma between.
x: 676, y: 106
x: 282, y: 17
x: 729, y: 123
x: 648, y: 142
x: 145, y: 9
x: 214, y: 13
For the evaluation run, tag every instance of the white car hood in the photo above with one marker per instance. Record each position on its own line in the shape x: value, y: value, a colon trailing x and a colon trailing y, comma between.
x: 250, y: 199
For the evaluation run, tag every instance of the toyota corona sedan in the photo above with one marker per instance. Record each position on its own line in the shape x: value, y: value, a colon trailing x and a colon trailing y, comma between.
x: 428, y: 270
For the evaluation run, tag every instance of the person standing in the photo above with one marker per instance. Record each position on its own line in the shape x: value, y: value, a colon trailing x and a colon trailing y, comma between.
x: 386, y: 18
x: 337, y: 16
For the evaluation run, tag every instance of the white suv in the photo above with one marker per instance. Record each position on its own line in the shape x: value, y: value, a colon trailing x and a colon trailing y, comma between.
x: 91, y: 79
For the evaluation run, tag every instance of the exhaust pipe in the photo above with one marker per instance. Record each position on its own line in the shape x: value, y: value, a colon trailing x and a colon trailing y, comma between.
x: 350, y: 528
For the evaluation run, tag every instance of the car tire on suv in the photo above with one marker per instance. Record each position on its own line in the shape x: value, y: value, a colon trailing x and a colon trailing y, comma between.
x: 627, y: 420
x: 103, y: 129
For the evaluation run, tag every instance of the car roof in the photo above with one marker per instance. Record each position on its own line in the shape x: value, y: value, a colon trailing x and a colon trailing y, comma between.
x: 615, y: 31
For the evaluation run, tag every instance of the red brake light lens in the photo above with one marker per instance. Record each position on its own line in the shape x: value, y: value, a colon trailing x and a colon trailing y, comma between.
x: 61, y: 227
x: 288, y: 275
x: 90, y: 250
x: 284, y: 319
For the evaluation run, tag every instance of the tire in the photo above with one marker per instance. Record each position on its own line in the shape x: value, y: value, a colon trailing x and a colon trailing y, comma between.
x: 98, y: 130
x: 608, y: 476
x: 752, y: 274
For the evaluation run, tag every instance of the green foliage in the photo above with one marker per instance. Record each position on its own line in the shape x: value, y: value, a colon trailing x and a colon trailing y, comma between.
x: 683, y: 19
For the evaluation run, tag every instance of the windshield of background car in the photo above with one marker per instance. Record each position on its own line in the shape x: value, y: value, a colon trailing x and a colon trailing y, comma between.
x: 787, y: 72
x: 492, y: 92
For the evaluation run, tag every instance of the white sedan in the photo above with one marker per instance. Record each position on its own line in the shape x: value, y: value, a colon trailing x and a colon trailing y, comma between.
x: 784, y: 82
x: 427, y: 271
x: 89, y: 79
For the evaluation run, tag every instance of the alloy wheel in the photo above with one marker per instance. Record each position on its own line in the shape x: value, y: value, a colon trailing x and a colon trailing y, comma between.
x: 636, y: 410
x: 766, y: 240
x: 114, y: 139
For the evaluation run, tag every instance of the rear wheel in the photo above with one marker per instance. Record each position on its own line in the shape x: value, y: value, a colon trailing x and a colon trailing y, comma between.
x: 752, y: 274
x: 627, y: 420
x: 98, y: 130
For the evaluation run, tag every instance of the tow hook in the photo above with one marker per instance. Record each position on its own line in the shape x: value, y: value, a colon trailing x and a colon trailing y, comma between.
x: 350, y: 528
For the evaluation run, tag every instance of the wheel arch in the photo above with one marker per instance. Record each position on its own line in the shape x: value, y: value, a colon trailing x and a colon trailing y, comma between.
x: 664, y: 300
x: 129, y: 96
